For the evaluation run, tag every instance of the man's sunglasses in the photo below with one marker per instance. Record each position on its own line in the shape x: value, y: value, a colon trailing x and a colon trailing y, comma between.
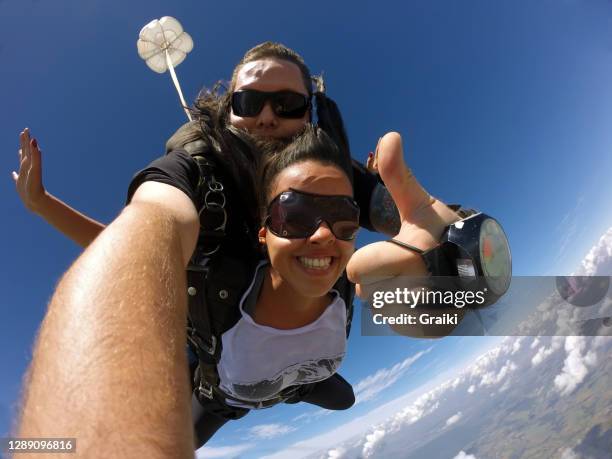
x: 297, y: 215
x: 285, y: 104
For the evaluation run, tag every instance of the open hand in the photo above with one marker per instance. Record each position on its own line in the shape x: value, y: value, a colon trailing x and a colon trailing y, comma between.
x: 28, y: 180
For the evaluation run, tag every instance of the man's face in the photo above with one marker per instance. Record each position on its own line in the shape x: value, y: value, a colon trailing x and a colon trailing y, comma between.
x: 270, y: 75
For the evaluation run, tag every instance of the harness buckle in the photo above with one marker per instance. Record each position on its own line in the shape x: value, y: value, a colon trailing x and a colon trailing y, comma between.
x: 205, y: 389
x: 194, y: 338
x: 213, y: 345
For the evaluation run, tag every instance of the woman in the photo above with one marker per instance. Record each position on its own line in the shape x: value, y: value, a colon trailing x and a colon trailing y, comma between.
x: 309, y: 222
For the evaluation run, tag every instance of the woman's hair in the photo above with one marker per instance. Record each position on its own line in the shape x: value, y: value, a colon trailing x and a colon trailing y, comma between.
x: 312, y: 144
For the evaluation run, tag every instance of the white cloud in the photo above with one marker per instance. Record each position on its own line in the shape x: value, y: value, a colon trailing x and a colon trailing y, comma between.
x: 389, y: 417
x: 222, y: 451
x: 491, y: 378
x: 454, y: 418
x: 598, y: 262
x: 601, y: 341
x: 568, y: 228
x: 267, y: 431
x: 401, y: 424
x: 371, y: 440
x: 372, y: 385
x: 545, y: 352
x: 336, y: 453
x: 309, y: 416
x: 568, y: 453
x: 422, y: 406
x: 463, y: 455
x: 575, y: 367
x: 516, y: 346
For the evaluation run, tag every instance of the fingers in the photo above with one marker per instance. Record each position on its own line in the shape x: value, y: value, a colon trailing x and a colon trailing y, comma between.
x: 405, y: 189
x: 24, y: 150
x: 24, y: 142
x: 35, y: 155
x: 370, y: 163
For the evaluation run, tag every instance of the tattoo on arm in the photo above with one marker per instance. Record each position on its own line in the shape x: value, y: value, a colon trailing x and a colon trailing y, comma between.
x: 383, y: 213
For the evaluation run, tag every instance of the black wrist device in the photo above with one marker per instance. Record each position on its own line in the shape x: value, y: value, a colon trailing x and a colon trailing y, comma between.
x: 473, y: 255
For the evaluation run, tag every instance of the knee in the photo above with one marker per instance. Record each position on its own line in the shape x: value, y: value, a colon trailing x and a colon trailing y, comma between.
x: 347, y: 400
x: 343, y: 399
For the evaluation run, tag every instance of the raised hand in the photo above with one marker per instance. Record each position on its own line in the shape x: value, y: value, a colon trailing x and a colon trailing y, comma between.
x: 77, y: 226
x: 383, y: 266
x: 423, y: 220
x: 28, y: 180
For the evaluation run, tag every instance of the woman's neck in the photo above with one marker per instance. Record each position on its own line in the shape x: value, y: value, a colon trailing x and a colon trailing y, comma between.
x: 280, y: 306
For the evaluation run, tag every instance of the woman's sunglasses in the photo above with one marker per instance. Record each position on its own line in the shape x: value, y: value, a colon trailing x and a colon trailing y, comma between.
x: 285, y: 104
x: 297, y: 215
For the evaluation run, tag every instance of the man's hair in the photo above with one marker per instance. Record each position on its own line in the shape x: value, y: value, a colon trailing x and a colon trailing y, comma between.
x: 312, y: 144
x: 273, y: 50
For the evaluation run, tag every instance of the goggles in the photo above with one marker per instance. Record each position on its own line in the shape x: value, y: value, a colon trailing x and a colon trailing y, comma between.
x: 297, y: 215
x: 285, y: 104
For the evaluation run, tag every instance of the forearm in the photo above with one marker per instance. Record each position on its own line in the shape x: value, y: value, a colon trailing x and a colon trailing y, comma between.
x: 109, y: 365
x: 77, y: 226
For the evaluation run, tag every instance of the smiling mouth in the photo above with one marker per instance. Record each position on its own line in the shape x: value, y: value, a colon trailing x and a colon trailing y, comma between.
x: 318, y: 263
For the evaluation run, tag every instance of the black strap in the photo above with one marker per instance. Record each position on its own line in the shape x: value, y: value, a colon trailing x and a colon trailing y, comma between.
x: 199, y: 330
x: 406, y: 246
x: 213, y: 213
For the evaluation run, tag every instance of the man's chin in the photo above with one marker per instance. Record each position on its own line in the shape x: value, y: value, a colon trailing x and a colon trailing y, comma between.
x: 268, y: 144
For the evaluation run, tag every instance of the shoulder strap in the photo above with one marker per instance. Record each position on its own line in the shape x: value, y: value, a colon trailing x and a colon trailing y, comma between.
x: 347, y: 293
x: 215, y: 287
x: 213, y: 214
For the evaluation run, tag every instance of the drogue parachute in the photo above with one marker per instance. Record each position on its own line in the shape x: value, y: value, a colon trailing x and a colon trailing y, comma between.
x: 163, y: 44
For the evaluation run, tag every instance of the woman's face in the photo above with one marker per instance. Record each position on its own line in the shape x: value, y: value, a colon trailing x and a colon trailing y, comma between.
x: 270, y: 75
x: 312, y: 265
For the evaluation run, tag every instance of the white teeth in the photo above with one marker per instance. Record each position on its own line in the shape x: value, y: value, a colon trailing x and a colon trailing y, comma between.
x: 316, y: 263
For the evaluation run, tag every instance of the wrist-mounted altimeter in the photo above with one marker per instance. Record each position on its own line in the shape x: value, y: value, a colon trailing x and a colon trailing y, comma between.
x: 473, y: 255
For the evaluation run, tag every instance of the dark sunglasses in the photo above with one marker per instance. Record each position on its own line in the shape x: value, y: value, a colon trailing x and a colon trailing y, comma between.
x: 285, y: 104
x: 297, y: 215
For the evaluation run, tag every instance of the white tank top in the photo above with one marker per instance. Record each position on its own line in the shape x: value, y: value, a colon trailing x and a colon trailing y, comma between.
x: 258, y: 362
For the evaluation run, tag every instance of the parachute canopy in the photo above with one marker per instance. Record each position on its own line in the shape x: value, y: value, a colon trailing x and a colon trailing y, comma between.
x: 163, y: 44
x: 162, y: 37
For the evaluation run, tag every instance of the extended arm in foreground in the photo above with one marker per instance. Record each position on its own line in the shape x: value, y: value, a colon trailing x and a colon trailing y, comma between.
x: 28, y: 181
x: 109, y: 365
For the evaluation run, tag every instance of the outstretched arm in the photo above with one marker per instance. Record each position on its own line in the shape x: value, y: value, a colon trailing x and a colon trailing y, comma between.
x: 77, y: 226
x: 109, y: 365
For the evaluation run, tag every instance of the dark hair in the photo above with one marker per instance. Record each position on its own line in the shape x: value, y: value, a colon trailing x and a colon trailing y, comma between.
x: 312, y: 144
x: 270, y: 49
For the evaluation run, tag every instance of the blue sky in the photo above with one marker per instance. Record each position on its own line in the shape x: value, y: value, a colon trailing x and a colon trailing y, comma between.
x: 503, y: 105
